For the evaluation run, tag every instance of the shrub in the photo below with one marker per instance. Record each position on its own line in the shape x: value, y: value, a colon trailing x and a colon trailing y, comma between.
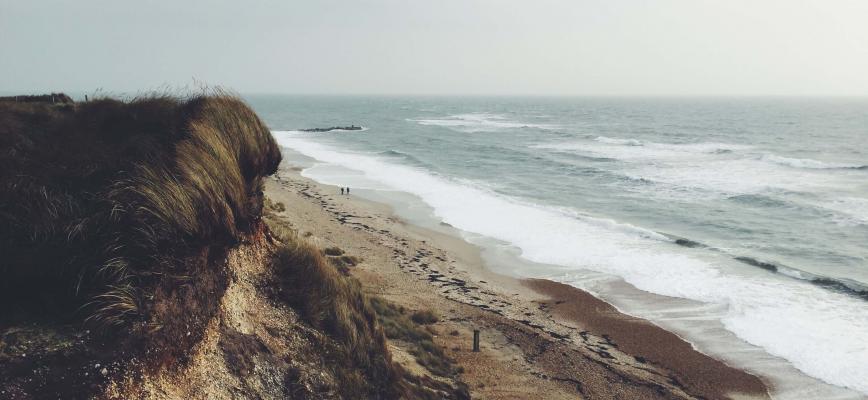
x: 333, y: 251
x: 342, y: 262
x: 272, y: 206
x: 424, y: 317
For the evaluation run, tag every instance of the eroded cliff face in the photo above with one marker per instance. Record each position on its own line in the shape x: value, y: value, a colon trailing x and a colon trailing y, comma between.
x: 253, y: 347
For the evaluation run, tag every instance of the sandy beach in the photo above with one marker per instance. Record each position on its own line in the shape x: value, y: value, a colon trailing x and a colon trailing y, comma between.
x: 540, y: 339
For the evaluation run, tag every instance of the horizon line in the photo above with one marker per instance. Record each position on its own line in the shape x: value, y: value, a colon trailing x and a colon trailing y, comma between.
x: 180, y: 91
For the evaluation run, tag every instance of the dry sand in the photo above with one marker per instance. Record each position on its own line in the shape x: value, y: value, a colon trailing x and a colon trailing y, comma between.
x: 540, y: 339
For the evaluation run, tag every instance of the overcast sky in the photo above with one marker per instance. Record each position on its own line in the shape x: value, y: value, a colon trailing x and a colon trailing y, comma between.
x: 538, y: 47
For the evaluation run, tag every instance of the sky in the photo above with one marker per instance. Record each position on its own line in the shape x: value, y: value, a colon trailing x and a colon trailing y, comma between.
x: 439, y: 47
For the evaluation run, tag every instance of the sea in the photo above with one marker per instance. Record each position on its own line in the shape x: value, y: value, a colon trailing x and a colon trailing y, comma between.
x: 741, y: 224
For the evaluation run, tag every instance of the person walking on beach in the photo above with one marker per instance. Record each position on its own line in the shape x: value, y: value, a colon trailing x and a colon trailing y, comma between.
x: 348, y: 190
x: 342, y: 190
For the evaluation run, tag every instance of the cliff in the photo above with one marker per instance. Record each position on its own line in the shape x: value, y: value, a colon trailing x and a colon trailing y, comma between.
x: 136, y: 263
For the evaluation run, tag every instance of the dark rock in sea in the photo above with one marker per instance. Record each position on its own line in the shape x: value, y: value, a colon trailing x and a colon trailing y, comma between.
x: 334, y: 128
x: 688, y: 243
x: 756, y: 263
x: 850, y: 288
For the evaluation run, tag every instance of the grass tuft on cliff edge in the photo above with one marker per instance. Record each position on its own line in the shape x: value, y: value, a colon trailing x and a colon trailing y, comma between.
x: 115, y: 219
x: 108, y: 207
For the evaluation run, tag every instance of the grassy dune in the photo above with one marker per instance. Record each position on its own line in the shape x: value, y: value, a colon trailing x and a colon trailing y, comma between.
x: 107, y: 205
x: 116, y: 218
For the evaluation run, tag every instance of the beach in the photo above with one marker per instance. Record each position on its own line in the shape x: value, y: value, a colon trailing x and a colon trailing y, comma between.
x: 434, y: 200
x: 539, y: 338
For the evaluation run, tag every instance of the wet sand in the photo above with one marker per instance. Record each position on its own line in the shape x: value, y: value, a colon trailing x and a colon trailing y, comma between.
x: 705, y: 375
x: 540, y: 339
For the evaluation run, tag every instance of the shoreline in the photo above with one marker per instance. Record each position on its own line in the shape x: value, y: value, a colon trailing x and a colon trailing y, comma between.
x: 646, y: 341
x: 588, y: 347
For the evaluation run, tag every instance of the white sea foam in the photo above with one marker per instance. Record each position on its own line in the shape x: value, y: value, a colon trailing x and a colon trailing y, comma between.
x: 300, y: 132
x: 728, y: 177
x: 364, y: 128
x: 822, y: 333
x: 627, y: 142
x: 620, y: 148
x: 637, y: 150
x: 479, y: 122
x: 807, y: 163
x: 850, y: 210
x: 707, y: 169
x: 703, y: 147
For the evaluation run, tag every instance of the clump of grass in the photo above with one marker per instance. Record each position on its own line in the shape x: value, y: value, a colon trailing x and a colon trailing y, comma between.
x: 424, y: 317
x: 279, y: 227
x: 336, y: 304
x: 343, y: 263
x: 274, y: 206
x: 333, y: 251
x: 340, y: 260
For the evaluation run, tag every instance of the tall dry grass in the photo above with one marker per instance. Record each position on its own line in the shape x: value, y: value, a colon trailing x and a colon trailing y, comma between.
x: 336, y: 304
x: 108, y: 205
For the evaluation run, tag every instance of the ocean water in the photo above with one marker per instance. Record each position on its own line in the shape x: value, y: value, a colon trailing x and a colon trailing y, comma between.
x: 740, y: 223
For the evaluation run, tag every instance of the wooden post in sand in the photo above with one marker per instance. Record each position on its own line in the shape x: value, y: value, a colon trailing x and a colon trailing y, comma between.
x: 476, y: 340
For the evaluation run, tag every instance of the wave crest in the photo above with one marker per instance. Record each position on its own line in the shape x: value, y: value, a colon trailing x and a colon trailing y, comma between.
x: 479, y: 122
x: 808, y: 163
